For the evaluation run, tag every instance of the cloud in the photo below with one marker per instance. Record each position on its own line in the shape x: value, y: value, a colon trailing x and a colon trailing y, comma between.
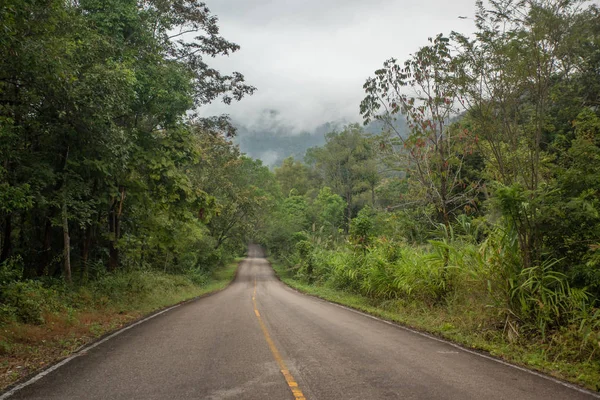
x: 309, y: 59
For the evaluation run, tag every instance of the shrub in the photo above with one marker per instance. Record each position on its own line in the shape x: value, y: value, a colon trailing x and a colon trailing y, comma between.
x: 26, y: 301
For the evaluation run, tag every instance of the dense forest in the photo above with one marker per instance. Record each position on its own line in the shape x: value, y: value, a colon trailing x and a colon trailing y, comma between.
x: 472, y: 191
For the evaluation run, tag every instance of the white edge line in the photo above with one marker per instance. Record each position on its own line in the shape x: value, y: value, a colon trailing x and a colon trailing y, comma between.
x: 455, y: 345
x: 78, y: 353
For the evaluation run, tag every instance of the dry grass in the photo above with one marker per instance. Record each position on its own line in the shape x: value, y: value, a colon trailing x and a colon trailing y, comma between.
x: 28, y: 348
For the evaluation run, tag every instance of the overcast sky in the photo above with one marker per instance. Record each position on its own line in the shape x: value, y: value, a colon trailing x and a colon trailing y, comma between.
x: 310, y: 58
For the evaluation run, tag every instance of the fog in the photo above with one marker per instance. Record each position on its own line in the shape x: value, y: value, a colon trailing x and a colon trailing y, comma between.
x: 309, y: 59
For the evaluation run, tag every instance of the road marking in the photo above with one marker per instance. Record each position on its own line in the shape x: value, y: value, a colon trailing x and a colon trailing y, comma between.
x: 291, y: 382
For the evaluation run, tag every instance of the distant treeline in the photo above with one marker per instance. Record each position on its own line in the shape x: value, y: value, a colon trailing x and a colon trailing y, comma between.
x: 273, y: 142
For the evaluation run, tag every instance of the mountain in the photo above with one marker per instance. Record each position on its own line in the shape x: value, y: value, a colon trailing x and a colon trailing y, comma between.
x: 272, y: 140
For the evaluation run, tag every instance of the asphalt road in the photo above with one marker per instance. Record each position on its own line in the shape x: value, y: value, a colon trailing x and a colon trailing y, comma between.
x: 258, y: 339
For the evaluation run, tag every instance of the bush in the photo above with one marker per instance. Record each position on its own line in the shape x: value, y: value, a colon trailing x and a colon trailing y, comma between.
x: 11, y: 270
x: 26, y: 301
x: 198, y: 276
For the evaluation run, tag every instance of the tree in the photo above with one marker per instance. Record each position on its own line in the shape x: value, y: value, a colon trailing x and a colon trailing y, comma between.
x: 242, y: 188
x: 569, y: 220
x: 523, y: 56
x: 293, y: 174
x: 329, y: 211
x: 94, y: 102
x: 433, y: 152
x: 345, y: 164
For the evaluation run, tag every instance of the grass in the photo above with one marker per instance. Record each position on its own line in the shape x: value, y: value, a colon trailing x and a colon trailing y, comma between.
x: 460, y: 327
x: 26, y: 348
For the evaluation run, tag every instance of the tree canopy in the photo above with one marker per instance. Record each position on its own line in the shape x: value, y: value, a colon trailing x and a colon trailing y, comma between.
x: 103, y: 158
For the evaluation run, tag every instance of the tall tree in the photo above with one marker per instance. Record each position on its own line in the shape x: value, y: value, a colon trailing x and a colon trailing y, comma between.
x: 293, y: 174
x: 512, y: 71
x: 94, y: 101
x: 344, y: 164
x: 432, y: 151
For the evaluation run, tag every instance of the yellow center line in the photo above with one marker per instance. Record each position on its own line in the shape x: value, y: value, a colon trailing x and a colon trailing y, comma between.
x: 293, y: 385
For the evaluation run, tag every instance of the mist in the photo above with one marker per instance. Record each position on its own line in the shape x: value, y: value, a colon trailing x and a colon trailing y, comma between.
x: 310, y: 59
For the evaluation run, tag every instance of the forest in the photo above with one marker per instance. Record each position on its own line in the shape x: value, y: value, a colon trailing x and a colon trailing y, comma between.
x: 472, y: 212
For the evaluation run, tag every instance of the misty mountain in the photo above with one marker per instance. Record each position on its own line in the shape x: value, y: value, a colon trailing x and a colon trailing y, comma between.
x: 272, y: 140
x: 272, y: 144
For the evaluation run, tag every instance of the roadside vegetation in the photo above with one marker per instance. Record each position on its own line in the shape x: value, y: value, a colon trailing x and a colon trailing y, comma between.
x: 475, y: 213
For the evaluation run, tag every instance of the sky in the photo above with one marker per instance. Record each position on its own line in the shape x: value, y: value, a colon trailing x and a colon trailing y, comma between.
x: 309, y: 58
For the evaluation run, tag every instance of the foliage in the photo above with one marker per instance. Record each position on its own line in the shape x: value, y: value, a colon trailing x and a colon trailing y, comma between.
x: 434, y: 150
x: 293, y: 175
x: 75, y: 315
x: 361, y: 228
x: 480, y: 192
x: 346, y: 164
x: 328, y: 212
x: 104, y: 164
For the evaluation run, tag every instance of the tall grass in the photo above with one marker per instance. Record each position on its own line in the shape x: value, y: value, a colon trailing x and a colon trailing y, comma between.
x: 462, y: 274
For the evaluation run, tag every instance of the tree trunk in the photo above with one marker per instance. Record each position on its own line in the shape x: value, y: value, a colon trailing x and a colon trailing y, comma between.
x: 142, y: 250
x: 46, y: 250
x: 446, y: 221
x: 166, y: 262
x: 66, y: 243
x: 6, y: 239
x: 85, y: 253
x: 113, y: 252
x: 7, y: 233
x: 114, y: 220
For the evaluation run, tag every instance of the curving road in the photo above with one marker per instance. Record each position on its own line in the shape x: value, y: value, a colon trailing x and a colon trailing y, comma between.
x: 260, y: 340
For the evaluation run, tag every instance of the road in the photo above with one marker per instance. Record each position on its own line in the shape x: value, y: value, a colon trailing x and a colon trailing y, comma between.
x: 260, y: 340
